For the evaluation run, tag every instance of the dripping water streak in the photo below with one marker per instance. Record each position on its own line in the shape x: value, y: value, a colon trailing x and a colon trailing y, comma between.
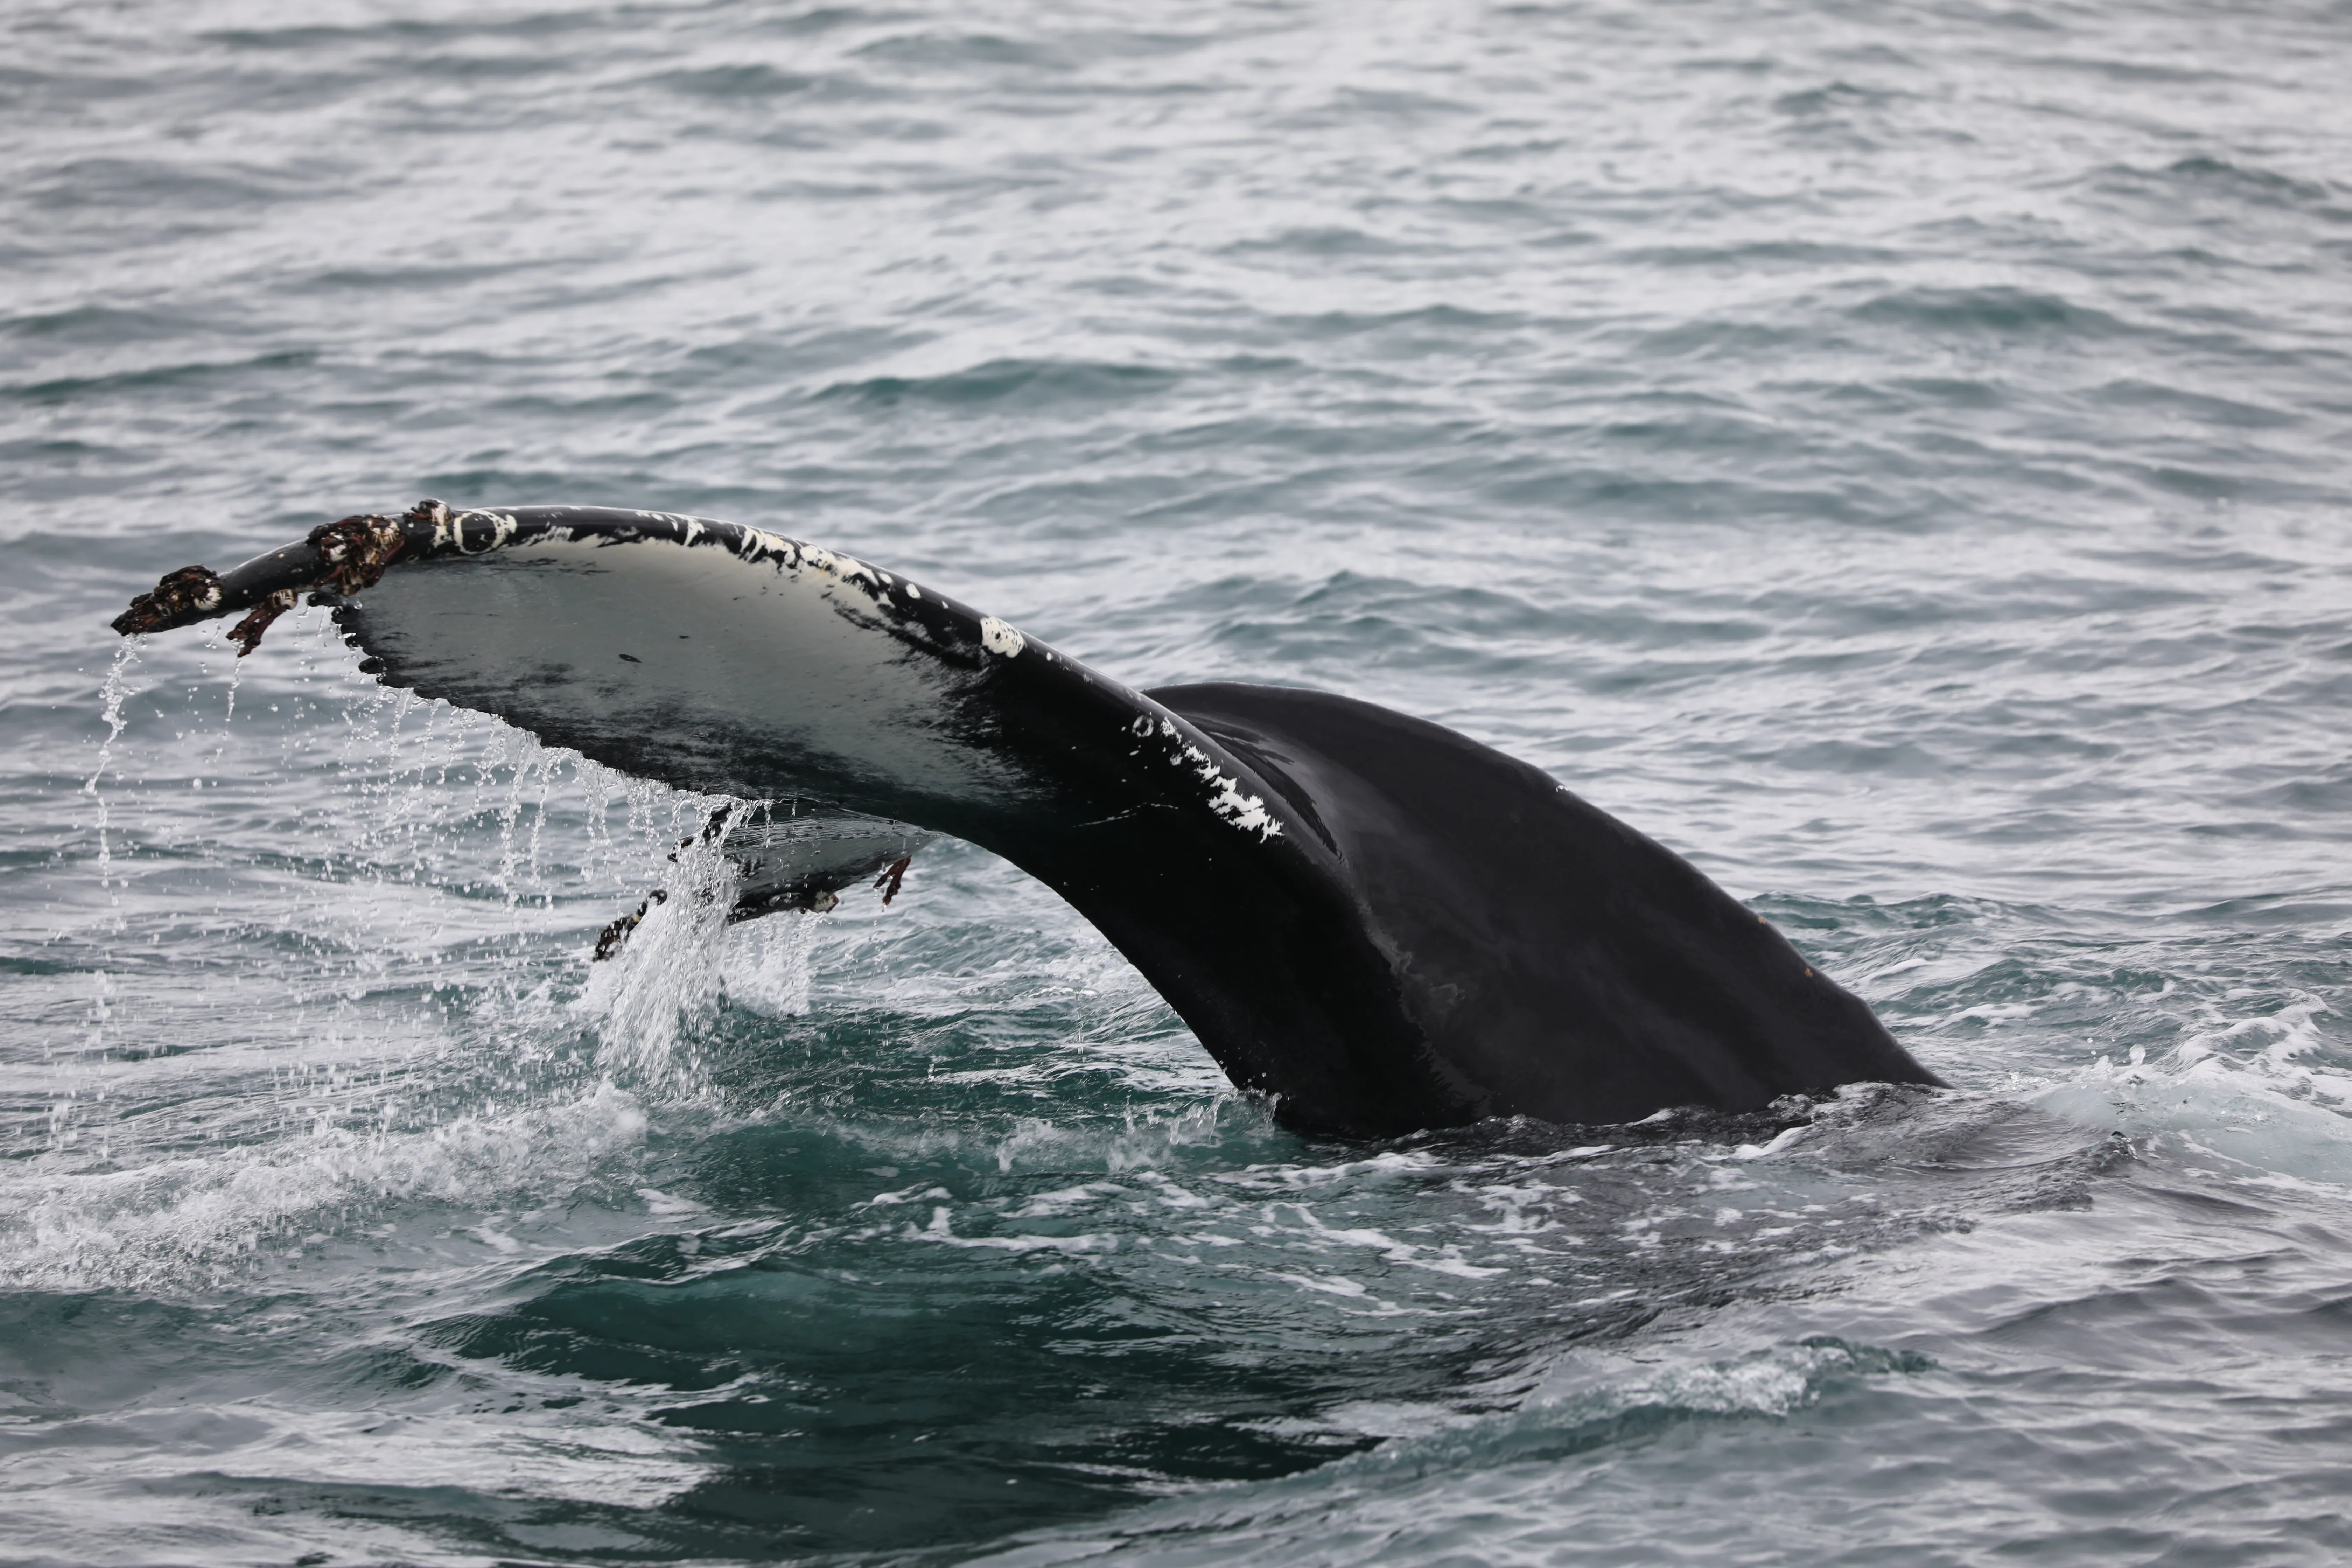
x: 115, y: 689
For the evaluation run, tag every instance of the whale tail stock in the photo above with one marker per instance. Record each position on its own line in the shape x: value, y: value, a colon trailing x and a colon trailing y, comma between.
x: 1383, y: 923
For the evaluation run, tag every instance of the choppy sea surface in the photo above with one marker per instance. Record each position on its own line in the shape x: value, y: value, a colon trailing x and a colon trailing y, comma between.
x: 1896, y: 455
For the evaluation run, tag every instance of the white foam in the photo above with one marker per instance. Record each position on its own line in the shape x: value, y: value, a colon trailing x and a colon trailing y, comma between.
x: 193, y: 1217
x: 2244, y: 1088
x: 1139, y: 1144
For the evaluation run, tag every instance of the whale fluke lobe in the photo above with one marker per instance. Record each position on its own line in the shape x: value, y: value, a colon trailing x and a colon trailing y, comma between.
x: 792, y: 855
x: 1381, y: 923
x: 1547, y: 944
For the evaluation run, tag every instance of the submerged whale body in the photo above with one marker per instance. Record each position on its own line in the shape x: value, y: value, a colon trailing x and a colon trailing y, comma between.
x: 1382, y: 924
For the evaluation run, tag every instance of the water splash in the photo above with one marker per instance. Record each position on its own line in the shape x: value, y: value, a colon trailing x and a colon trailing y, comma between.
x: 665, y: 980
x: 228, y: 715
x: 767, y: 964
x: 2259, y: 1093
x: 116, y: 689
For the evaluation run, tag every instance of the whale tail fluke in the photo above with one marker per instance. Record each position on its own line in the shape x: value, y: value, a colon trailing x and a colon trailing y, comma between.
x: 1383, y: 923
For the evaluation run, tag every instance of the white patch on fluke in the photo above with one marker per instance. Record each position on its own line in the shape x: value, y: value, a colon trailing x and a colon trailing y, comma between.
x: 875, y: 711
x: 1000, y: 638
x: 844, y: 569
x: 503, y: 530
x: 759, y: 544
x: 1226, y: 798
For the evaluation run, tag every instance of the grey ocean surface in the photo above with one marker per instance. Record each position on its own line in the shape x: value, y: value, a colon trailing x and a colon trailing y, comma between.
x: 1896, y: 455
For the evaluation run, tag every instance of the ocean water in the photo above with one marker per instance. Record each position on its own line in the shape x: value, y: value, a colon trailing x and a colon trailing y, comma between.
x: 1896, y: 455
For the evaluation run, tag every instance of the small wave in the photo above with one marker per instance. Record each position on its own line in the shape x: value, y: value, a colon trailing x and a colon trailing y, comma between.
x: 2000, y: 310
x: 1579, y: 1411
x: 201, y: 1219
x: 752, y: 81
x: 194, y: 375
x: 2246, y: 180
x: 1832, y: 98
x: 99, y: 326
x: 960, y: 50
x: 1025, y: 383
x: 1771, y: 1382
x: 2263, y: 1094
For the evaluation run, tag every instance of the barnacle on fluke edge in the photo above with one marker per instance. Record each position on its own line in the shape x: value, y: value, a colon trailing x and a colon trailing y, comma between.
x: 188, y: 595
x: 346, y: 556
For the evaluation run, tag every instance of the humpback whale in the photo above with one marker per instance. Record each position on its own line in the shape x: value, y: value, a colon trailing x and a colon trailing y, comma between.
x: 1381, y: 924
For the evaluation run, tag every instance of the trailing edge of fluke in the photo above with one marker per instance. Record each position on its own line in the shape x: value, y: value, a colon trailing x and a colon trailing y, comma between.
x: 1381, y: 923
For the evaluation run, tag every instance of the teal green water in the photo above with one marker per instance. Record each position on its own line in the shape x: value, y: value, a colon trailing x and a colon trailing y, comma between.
x: 1895, y: 455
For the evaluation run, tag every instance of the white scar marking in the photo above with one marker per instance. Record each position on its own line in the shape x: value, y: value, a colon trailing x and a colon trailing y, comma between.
x: 1000, y: 637
x: 759, y: 544
x: 502, y: 531
x: 1247, y: 812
